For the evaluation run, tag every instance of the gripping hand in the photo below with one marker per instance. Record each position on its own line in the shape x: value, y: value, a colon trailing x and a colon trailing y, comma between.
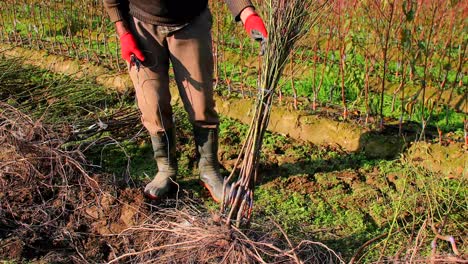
x: 129, y: 46
x: 255, y: 27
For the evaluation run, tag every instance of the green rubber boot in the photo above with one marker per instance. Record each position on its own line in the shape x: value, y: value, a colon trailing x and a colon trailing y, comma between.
x: 206, y: 140
x: 164, y: 146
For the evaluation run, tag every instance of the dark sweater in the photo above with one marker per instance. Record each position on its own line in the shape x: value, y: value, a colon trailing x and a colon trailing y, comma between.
x: 165, y: 12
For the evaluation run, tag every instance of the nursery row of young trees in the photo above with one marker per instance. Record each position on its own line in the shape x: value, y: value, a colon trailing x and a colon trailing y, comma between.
x: 403, y: 59
x: 412, y: 50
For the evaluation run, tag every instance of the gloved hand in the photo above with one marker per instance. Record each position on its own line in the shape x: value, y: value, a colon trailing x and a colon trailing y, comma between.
x: 255, y: 27
x: 128, y: 46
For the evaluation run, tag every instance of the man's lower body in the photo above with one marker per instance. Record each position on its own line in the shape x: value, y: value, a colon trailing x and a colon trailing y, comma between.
x: 189, y: 49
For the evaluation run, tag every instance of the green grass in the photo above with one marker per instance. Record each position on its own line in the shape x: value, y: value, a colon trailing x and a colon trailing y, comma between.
x: 53, y: 96
x: 348, y: 214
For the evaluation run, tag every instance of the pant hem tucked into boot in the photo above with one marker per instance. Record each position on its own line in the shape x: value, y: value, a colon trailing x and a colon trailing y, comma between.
x: 165, y: 155
x: 206, y: 140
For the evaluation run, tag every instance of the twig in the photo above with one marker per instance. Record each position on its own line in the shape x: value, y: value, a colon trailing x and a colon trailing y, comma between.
x: 296, y: 258
x: 363, y: 246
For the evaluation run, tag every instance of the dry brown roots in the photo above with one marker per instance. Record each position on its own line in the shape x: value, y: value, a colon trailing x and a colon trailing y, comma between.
x: 53, y: 209
x: 186, y: 236
x: 42, y: 187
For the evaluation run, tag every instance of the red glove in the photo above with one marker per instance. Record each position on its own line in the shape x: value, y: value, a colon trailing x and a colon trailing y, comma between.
x: 254, y: 22
x: 128, y: 46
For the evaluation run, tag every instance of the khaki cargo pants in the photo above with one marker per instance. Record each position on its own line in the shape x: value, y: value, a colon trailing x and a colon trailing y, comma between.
x: 189, y: 49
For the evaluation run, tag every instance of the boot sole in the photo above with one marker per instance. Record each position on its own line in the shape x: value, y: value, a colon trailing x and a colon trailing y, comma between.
x: 151, y: 197
x: 211, y: 192
x: 172, y: 189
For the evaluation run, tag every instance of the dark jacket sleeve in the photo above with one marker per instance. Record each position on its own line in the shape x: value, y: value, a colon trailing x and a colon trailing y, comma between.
x: 117, y: 9
x: 236, y: 7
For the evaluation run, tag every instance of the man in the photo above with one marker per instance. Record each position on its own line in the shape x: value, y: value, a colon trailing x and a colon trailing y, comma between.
x: 153, y: 33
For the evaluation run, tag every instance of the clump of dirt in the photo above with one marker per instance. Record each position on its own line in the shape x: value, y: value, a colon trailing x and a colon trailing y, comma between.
x: 52, y: 209
x: 449, y: 161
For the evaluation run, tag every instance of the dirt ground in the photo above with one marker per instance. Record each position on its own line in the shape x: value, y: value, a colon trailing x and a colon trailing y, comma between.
x: 54, y: 209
